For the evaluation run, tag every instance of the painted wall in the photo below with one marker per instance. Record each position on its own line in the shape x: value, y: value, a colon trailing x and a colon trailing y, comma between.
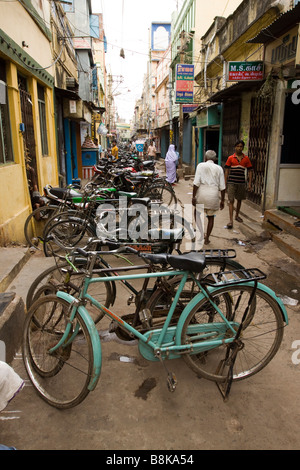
x: 14, y: 193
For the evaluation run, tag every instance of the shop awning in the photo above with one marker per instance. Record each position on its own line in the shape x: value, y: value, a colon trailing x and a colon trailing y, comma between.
x: 71, y: 95
x: 234, y: 91
x: 275, y: 29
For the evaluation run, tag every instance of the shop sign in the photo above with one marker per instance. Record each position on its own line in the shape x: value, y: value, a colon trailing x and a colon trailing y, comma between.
x: 189, y: 108
x: 245, y: 71
x: 184, y: 83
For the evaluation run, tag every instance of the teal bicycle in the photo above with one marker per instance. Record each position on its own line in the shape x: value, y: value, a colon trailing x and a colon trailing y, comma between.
x: 229, y: 330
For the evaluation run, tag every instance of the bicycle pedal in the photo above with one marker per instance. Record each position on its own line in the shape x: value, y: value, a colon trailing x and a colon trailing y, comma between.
x: 171, y: 382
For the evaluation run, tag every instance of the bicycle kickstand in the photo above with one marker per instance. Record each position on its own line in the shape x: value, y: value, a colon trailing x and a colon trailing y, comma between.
x: 225, y: 387
x: 171, y: 378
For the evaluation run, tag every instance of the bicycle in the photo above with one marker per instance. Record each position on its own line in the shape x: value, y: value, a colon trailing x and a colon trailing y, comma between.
x: 215, y: 331
x: 68, y: 276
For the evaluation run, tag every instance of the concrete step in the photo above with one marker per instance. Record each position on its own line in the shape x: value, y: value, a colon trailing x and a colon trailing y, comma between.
x: 289, y: 244
x: 283, y: 221
x: 12, y: 261
x: 12, y: 308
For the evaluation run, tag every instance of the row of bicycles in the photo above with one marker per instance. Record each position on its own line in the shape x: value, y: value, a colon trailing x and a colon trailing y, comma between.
x: 200, y: 306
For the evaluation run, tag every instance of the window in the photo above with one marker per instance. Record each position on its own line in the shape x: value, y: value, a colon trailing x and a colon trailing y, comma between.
x: 43, y: 122
x: 6, y: 153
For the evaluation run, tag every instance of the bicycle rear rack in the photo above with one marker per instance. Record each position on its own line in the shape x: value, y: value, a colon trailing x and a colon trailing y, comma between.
x: 218, y: 254
x: 225, y: 278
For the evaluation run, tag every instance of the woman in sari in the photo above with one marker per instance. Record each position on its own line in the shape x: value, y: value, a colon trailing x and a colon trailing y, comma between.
x: 170, y: 161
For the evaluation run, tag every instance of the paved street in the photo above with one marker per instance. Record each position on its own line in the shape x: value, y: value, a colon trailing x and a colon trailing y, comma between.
x: 132, y: 409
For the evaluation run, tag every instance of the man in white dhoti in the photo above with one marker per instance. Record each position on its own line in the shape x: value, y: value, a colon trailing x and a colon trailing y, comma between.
x: 208, y: 183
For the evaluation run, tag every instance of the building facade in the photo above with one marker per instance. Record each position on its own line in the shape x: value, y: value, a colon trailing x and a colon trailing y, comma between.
x: 28, y: 130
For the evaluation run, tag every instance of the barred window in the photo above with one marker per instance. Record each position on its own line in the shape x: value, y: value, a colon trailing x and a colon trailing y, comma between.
x: 6, y: 151
x: 43, y: 121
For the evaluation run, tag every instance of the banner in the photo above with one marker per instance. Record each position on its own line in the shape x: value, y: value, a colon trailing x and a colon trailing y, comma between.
x: 184, y: 83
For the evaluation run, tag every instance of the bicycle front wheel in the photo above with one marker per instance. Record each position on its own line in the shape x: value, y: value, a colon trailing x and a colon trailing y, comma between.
x: 260, y: 338
x: 66, y: 234
x: 61, y: 278
x: 60, y: 378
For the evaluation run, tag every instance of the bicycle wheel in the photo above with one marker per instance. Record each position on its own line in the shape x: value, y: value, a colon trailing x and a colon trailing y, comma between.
x: 161, y: 194
x: 35, y: 222
x: 60, y: 378
x: 160, y: 302
x: 61, y: 278
x: 66, y: 234
x: 260, y: 338
x: 59, y: 215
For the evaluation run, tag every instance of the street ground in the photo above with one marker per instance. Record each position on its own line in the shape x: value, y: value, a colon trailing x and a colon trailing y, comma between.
x: 132, y: 409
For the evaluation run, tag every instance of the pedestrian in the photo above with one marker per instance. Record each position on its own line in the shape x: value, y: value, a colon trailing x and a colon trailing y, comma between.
x: 115, y: 150
x: 209, y: 181
x: 100, y: 150
x: 236, y: 180
x: 170, y: 161
x: 152, y: 150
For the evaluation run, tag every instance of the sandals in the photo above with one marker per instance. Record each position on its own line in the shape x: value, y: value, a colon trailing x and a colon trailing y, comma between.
x: 239, y: 219
x: 229, y: 225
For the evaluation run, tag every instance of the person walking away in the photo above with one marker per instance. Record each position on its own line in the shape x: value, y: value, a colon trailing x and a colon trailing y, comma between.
x: 235, y: 180
x: 170, y: 162
x: 115, y: 150
x: 152, y: 150
x: 209, y: 181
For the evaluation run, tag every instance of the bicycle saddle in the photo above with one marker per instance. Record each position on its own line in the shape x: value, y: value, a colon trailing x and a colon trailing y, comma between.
x: 193, y: 262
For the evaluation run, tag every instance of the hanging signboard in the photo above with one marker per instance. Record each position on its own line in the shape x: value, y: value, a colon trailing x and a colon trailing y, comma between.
x: 189, y: 108
x: 245, y: 71
x: 184, y: 83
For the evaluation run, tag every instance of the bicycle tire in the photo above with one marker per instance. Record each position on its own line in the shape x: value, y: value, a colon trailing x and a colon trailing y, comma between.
x: 55, y: 278
x: 40, y: 216
x: 62, y: 378
x: 260, y: 339
x: 61, y: 214
x: 66, y: 234
x: 162, y: 194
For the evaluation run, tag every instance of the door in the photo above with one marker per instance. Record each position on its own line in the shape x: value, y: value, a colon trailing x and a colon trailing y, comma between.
x: 28, y: 133
x: 260, y: 127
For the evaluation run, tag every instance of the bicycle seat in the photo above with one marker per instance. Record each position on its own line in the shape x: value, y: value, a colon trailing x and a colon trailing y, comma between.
x: 193, y: 262
x: 161, y: 258
x: 145, y: 201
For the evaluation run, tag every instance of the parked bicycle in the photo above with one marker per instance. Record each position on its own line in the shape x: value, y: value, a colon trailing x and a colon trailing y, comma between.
x: 228, y: 332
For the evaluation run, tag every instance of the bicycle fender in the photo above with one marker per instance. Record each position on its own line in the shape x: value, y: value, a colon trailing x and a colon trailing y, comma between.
x: 96, y: 344
x: 201, y: 296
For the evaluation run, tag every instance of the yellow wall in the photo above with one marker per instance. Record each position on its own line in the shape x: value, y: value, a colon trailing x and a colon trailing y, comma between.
x: 14, y: 194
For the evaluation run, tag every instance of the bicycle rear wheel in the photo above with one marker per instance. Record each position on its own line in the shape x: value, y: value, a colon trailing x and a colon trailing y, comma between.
x: 61, y: 378
x: 39, y: 217
x: 260, y: 338
x: 160, y: 302
x: 161, y: 194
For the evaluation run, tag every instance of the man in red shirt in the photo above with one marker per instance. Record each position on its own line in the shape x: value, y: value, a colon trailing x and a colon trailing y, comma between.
x: 235, y: 180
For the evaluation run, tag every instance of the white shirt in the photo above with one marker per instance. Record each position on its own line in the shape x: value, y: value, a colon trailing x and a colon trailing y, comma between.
x: 210, y: 174
x: 210, y: 177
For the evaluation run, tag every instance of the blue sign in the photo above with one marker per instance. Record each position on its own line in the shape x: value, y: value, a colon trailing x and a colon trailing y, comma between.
x: 184, y: 83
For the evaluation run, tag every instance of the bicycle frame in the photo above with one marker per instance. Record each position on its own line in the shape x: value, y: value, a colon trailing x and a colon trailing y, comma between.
x: 153, y: 344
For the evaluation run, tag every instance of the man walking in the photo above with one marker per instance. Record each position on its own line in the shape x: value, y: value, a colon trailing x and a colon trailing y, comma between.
x: 152, y: 150
x: 235, y: 180
x: 208, y: 182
